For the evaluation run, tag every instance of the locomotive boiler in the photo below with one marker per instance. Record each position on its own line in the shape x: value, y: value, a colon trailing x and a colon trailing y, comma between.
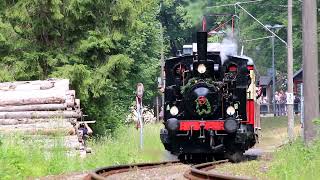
x: 209, y: 104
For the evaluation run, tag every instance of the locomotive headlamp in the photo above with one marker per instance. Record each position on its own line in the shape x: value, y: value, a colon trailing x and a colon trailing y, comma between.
x: 201, y: 68
x: 172, y: 124
x: 230, y: 110
x: 230, y: 125
x: 216, y: 67
x: 174, y: 110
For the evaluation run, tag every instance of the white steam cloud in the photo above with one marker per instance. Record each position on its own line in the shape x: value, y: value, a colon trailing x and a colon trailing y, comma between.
x: 229, y: 47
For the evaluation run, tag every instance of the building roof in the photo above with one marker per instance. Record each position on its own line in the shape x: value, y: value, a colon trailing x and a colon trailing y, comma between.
x: 298, y: 75
x: 265, y: 80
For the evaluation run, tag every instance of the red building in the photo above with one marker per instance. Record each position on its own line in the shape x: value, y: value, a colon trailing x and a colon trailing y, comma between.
x: 297, y: 80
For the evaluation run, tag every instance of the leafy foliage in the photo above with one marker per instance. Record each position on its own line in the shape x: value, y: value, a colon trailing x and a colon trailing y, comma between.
x: 106, y: 47
x: 96, y: 44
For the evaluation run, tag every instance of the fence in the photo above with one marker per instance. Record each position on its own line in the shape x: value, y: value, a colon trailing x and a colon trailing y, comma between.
x: 280, y: 109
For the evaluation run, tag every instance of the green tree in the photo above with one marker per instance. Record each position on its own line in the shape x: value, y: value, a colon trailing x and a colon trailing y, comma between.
x: 176, y: 23
x: 96, y: 44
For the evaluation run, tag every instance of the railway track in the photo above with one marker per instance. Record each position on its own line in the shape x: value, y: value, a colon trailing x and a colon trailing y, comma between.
x: 103, y: 173
x: 201, y: 171
x: 196, y: 172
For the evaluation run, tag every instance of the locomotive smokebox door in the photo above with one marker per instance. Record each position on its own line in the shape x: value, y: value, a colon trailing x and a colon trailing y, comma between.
x: 202, y: 46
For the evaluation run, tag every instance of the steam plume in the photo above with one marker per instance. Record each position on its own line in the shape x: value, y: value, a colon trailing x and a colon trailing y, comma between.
x: 229, y: 47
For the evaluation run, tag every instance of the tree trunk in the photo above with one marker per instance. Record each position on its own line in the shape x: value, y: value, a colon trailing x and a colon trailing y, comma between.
x: 55, y: 84
x: 38, y: 131
x: 32, y: 121
x: 37, y: 97
x: 36, y: 107
x: 40, y: 114
x: 310, y: 70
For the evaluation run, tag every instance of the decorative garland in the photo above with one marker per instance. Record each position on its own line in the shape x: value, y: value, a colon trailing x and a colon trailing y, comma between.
x: 206, y: 103
x: 208, y: 81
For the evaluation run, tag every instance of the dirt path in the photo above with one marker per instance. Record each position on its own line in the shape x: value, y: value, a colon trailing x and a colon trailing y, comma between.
x: 70, y: 176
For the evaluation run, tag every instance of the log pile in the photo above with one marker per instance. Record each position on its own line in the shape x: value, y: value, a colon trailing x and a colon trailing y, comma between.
x: 39, y: 108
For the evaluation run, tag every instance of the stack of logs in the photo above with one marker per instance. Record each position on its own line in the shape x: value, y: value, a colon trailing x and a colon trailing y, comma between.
x: 39, y: 108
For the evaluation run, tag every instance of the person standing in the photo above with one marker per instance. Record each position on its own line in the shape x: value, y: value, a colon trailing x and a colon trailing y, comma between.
x: 283, y: 101
x: 277, y: 99
x: 296, y: 104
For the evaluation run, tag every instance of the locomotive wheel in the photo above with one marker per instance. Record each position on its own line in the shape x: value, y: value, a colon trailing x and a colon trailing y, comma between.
x: 196, y: 158
x: 219, y: 156
x: 235, y: 157
x: 185, y: 158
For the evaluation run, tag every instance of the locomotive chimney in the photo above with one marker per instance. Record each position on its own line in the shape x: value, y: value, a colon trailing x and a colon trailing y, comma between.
x: 202, y: 46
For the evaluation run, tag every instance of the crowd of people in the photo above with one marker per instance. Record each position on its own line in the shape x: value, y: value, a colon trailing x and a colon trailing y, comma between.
x: 280, y: 98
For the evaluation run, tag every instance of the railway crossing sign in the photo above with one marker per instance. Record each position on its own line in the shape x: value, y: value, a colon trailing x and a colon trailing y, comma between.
x: 139, y: 95
x: 140, y: 90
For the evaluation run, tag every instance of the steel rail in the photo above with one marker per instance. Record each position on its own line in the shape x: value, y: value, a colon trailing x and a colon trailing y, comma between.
x: 200, y: 171
x: 196, y: 172
x: 104, y: 172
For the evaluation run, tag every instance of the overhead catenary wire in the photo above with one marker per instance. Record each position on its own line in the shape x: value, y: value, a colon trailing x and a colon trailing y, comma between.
x: 237, y: 4
x: 262, y: 24
x: 232, y: 4
x: 248, y: 40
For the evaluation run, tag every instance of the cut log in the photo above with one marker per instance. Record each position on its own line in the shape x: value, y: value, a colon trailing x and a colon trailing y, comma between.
x: 54, y: 84
x: 55, y: 127
x: 32, y: 121
x: 37, y: 107
x: 40, y: 114
x: 40, y: 108
x: 38, y: 131
x: 40, y: 125
x: 37, y: 97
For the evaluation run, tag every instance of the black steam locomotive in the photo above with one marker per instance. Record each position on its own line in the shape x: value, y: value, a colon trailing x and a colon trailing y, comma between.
x: 209, y: 104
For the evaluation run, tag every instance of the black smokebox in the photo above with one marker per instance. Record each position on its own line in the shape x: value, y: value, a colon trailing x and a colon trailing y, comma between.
x: 202, y: 45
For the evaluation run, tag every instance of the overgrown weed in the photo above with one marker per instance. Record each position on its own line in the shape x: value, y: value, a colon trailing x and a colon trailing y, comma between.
x: 22, y: 158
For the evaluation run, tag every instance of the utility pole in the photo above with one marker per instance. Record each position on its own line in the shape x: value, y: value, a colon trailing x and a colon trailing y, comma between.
x: 273, y: 78
x: 162, y: 75
x: 274, y: 29
x: 162, y: 68
x: 290, y: 75
x: 310, y: 69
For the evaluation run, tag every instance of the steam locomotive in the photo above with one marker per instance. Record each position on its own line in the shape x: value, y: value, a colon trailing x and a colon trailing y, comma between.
x: 209, y: 106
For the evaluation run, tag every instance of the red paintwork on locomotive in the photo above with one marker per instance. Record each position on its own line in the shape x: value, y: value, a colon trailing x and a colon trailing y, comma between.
x: 250, y: 111
x: 186, y: 125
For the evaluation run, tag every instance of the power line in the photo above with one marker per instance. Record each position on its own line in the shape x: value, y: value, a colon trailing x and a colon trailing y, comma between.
x: 262, y: 24
x: 248, y: 40
x: 247, y: 2
x: 233, y: 4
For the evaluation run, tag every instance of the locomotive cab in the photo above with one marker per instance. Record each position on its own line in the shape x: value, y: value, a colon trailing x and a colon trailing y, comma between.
x: 209, y: 103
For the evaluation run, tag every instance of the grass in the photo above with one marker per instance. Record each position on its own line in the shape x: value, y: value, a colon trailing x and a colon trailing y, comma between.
x: 295, y: 161
x: 21, y: 158
x: 273, y: 134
